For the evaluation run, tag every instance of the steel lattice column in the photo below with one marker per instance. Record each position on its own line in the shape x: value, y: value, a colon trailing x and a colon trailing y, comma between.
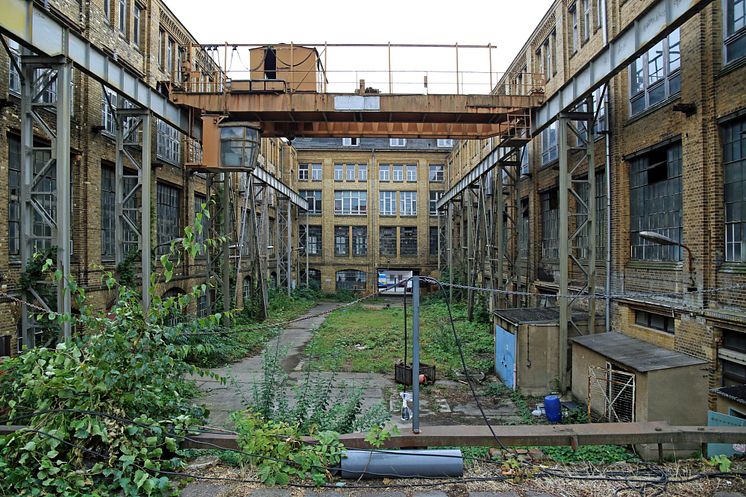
x: 132, y: 222
x: 283, y: 227
x: 46, y: 202
x: 580, y: 125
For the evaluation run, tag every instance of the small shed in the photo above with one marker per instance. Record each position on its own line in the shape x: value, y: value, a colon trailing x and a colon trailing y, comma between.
x: 295, y: 66
x: 624, y: 379
x: 527, y: 347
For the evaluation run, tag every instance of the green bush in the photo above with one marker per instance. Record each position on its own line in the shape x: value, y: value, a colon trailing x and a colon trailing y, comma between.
x: 596, y: 454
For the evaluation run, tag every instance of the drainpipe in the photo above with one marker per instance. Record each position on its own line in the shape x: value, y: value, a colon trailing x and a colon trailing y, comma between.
x: 607, y: 175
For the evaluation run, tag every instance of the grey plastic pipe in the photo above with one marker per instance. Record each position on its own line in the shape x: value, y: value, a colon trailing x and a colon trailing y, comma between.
x: 404, y: 463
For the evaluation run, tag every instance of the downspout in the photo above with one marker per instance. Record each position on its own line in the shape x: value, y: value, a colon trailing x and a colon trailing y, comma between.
x: 607, y: 176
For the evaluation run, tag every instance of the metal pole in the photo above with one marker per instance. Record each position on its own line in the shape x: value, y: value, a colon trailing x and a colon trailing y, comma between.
x: 145, y: 228
x: 489, y: 51
x: 64, y: 204
x: 226, y: 272
x: 449, y: 227
x: 457, y: 81
x: 564, y: 249
x: 591, y: 229
x: 27, y: 181
x: 289, y: 247
x: 391, y: 83
x: 415, y: 353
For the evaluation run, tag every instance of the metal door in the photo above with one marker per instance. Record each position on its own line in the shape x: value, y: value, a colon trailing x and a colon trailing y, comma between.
x: 505, y: 356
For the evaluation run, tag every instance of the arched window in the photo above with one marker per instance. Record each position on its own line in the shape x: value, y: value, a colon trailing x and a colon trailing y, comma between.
x: 351, y: 279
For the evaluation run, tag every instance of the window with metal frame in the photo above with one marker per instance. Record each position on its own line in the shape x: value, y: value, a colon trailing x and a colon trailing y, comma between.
x: 655, y: 202
x: 408, y: 241
x: 408, y: 203
x: 338, y: 172
x: 14, y: 196
x: 574, y: 40
x: 136, y: 26
x: 655, y: 76
x: 387, y: 203
x: 315, y: 172
x: 586, y: 19
x: 351, y: 203
x: 434, y: 197
x: 200, y: 205
x: 397, y: 142
x: 351, y: 279
x: 107, y: 11
x: 734, y: 32
x: 549, y: 224
x: 123, y: 17
x: 108, y: 213
x: 433, y: 238
x: 359, y: 241
x: 444, y: 143
x: 387, y: 237
x: 168, y: 146
x: 523, y: 230
x: 161, y: 46
x: 437, y: 173
x: 313, y: 197
x: 350, y: 172
x: 341, y: 241
x: 581, y: 240
x: 350, y: 142
x: 303, y: 172
x: 170, y: 52
x: 734, y: 176
x: 549, y: 150
x: 660, y: 322
x: 362, y: 172
x: 312, y: 242
x: 599, y: 107
x: 168, y: 201
x: 14, y: 78
x: 398, y: 172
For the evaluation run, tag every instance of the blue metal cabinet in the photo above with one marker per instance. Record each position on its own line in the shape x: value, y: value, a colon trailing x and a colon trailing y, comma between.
x: 505, y: 344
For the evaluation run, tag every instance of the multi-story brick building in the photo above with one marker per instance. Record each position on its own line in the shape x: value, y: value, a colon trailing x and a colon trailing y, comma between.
x: 672, y: 128
x: 145, y: 37
x: 372, y: 215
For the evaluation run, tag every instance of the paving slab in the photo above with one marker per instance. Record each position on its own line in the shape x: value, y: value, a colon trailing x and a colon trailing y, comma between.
x: 201, y: 489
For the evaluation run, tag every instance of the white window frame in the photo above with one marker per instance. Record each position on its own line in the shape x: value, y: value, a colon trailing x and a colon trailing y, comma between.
x: 387, y: 203
x: 408, y: 203
x: 397, y: 142
x: 411, y: 173
x: 445, y: 143
x: 350, y: 203
x: 350, y: 172
x: 362, y: 172
x: 384, y: 172
x: 339, y: 172
x: 434, y: 197
x: 586, y: 19
x: 398, y: 173
x: 350, y: 142
x: 316, y: 172
x: 439, y: 176
x: 303, y: 172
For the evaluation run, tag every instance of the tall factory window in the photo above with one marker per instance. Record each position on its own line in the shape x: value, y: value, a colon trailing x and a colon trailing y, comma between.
x: 408, y: 203
x: 311, y: 242
x: 200, y: 203
x: 586, y: 19
x: 734, y: 172
x: 14, y: 80
x: 433, y: 237
x: 549, y: 144
x: 523, y: 230
x: 313, y: 197
x: 137, y: 26
x: 437, y: 173
x: 655, y: 202
x: 123, y: 16
x: 107, y: 11
x: 359, y: 241
x: 168, y: 146
x: 387, y: 205
x: 342, y: 241
x: 408, y: 241
x: 14, y: 196
x: 549, y: 225
x: 734, y: 33
x: 574, y: 41
x: 108, y: 204
x: 388, y: 241
x: 434, y: 197
x: 315, y: 172
x: 167, y: 211
x: 655, y: 76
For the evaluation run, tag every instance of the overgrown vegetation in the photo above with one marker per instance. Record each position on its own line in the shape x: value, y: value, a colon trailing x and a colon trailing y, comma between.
x: 365, y: 339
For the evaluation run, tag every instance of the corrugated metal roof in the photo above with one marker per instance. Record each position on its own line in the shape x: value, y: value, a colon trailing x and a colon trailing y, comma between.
x: 636, y: 354
x: 534, y: 315
x: 736, y: 393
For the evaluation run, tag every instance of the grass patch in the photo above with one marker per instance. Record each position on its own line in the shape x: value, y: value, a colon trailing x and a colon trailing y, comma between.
x: 361, y: 339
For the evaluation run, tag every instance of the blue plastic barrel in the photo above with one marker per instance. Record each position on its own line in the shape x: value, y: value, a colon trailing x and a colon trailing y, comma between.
x: 553, y: 408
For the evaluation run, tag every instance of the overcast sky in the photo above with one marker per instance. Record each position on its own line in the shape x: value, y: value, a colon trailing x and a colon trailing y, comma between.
x: 506, y: 25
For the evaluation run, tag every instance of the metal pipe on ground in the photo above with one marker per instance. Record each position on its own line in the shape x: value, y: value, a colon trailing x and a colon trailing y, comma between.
x: 409, y: 463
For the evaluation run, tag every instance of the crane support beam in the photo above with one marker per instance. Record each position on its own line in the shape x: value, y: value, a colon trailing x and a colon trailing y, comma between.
x: 280, y: 187
x: 39, y: 31
x: 657, y: 22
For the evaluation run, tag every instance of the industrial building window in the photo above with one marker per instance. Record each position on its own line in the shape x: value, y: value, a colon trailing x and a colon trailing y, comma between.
x: 437, y: 173
x: 523, y: 230
x: 586, y: 19
x: 655, y: 202
x: 599, y: 13
x: 136, y: 26
x: 107, y: 11
x: 655, y: 76
x: 350, y: 202
x: 312, y: 242
x: 168, y: 147
x: 654, y: 321
x: 350, y: 142
x: 246, y: 290
x: 362, y: 172
x: 397, y: 142
x: 398, y: 172
x: 123, y: 16
x: 387, y: 205
x: 600, y: 108
x: 574, y: 42
x: 314, y: 277
x: 315, y: 172
x: 733, y: 344
x: 351, y: 279
x: 202, y: 306
x: 170, y: 56
x: 342, y: 241
x: 408, y: 241
x: 14, y: 80
x: 338, y: 172
x: 14, y: 196
x: 434, y: 197
x: 445, y: 143
x: 108, y: 214
x: 200, y: 204
x: 313, y: 197
x: 388, y: 241
x: 734, y: 173
x: 408, y: 203
x: 359, y: 241
x: 350, y: 172
x: 384, y: 172
x: 549, y: 225
x: 303, y: 172
x: 581, y: 240
x: 108, y: 101
x: 161, y: 46
x: 169, y: 221
x: 734, y: 34
x: 433, y: 236
x: 549, y: 144
x: 411, y: 173
x: 524, y: 160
